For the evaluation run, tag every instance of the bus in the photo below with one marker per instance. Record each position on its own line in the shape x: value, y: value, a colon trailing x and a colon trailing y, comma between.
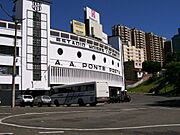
x: 82, y: 93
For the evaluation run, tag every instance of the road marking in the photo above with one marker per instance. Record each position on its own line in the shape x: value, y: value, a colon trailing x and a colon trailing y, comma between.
x: 4, y: 113
x: 52, y: 132
x: 80, y: 129
x: 133, y: 109
x: 6, y: 133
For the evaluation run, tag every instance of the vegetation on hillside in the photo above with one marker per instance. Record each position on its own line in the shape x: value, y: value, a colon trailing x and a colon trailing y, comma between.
x: 156, y: 86
x: 168, y: 84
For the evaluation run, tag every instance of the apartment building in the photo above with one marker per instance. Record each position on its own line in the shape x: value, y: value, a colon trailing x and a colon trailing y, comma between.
x: 124, y: 33
x: 131, y: 53
x: 133, y: 41
x: 139, y: 40
x: 154, y: 46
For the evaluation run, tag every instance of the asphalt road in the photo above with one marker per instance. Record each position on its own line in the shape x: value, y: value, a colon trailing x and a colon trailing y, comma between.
x: 144, y: 115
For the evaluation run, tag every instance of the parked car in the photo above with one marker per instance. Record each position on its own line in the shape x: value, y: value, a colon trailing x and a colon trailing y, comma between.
x: 42, y: 100
x: 24, y: 100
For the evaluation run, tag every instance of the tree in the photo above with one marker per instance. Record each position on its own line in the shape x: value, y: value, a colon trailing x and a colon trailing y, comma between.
x: 173, y: 73
x: 151, y: 67
x: 169, y: 57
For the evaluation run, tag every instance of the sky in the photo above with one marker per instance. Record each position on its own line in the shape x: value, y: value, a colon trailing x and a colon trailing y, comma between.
x: 162, y: 17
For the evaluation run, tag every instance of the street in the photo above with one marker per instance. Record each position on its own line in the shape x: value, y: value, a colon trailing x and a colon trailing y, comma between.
x: 144, y: 115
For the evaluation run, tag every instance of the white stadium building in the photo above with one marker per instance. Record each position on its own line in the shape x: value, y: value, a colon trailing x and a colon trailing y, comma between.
x: 48, y: 57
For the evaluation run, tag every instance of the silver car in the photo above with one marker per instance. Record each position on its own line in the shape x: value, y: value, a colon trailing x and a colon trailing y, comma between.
x: 42, y: 100
x: 24, y: 100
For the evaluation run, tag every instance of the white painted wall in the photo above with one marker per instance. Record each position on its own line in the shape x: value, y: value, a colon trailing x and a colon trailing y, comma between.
x: 25, y: 12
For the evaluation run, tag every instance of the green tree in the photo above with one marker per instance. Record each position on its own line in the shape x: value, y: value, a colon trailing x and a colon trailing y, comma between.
x: 151, y: 67
x: 173, y: 74
x: 169, y: 57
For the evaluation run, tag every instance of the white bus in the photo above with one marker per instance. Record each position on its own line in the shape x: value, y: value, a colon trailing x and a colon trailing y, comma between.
x: 82, y: 93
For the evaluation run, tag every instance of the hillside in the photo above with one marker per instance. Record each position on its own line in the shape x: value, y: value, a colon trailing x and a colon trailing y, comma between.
x: 156, y: 86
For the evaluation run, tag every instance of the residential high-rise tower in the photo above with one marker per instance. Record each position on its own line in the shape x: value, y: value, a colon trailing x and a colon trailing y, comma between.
x: 154, y: 46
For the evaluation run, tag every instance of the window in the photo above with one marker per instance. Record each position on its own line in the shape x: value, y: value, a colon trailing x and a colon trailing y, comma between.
x: 2, y: 24
x: 118, y: 64
x: 89, y: 41
x: 60, y: 51
x: 36, y: 71
x: 104, y: 60
x: 82, y: 39
x: 74, y: 37
x: 8, y: 70
x: 8, y: 87
x: 8, y: 50
x: 95, y: 43
x: 79, y: 54
x: 12, y: 26
x: 36, y: 46
x: 54, y: 33
x: 64, y: 35
x: 90, y: 87
x: 93, y: 57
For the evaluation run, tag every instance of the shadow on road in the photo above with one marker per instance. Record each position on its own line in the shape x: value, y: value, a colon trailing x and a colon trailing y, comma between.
x: 167, y: 103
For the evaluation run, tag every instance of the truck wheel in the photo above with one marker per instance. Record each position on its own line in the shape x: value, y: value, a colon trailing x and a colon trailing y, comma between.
x: 56, y: 103
x: 81, y: 102
x: 22, y: 104
x: 93, y: 104
x: 39, y: 104
x: 31, y: 105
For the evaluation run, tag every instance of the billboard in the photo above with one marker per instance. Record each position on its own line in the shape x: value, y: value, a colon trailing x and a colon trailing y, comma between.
x: 91, y: 14
x: 104, y: 38
x: 95, y: 29
x: 78, y: 28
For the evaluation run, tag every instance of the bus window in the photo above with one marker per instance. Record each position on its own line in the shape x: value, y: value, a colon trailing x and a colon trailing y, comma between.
x: 76, y: 89
x: 83, y: 88
x: 90, y: 87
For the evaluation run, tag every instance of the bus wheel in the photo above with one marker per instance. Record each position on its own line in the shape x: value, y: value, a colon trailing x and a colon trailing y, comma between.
x: 39, y: 105
x: 56, y: 103
x: 81, y: 102
x: 93, y: 104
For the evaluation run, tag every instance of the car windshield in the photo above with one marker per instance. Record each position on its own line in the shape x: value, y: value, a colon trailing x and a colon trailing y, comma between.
x: 46, y: 97
x: 27, y: 96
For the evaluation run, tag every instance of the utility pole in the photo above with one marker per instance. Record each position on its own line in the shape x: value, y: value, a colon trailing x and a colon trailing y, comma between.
x: 14, y: 66
x: 16, y: 21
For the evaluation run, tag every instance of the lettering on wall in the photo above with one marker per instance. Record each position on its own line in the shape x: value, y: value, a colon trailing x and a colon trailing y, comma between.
x: 85, y: 45
x: 86, y: 66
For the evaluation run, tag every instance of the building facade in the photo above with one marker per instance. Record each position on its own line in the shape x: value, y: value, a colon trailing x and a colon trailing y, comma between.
x: 133, y: 41
x: 48, y: 57
x: 139, y: 40
x: 131, y: 53
x: 154, y: 46
x: 124, y: 32
x: 176, y: 44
